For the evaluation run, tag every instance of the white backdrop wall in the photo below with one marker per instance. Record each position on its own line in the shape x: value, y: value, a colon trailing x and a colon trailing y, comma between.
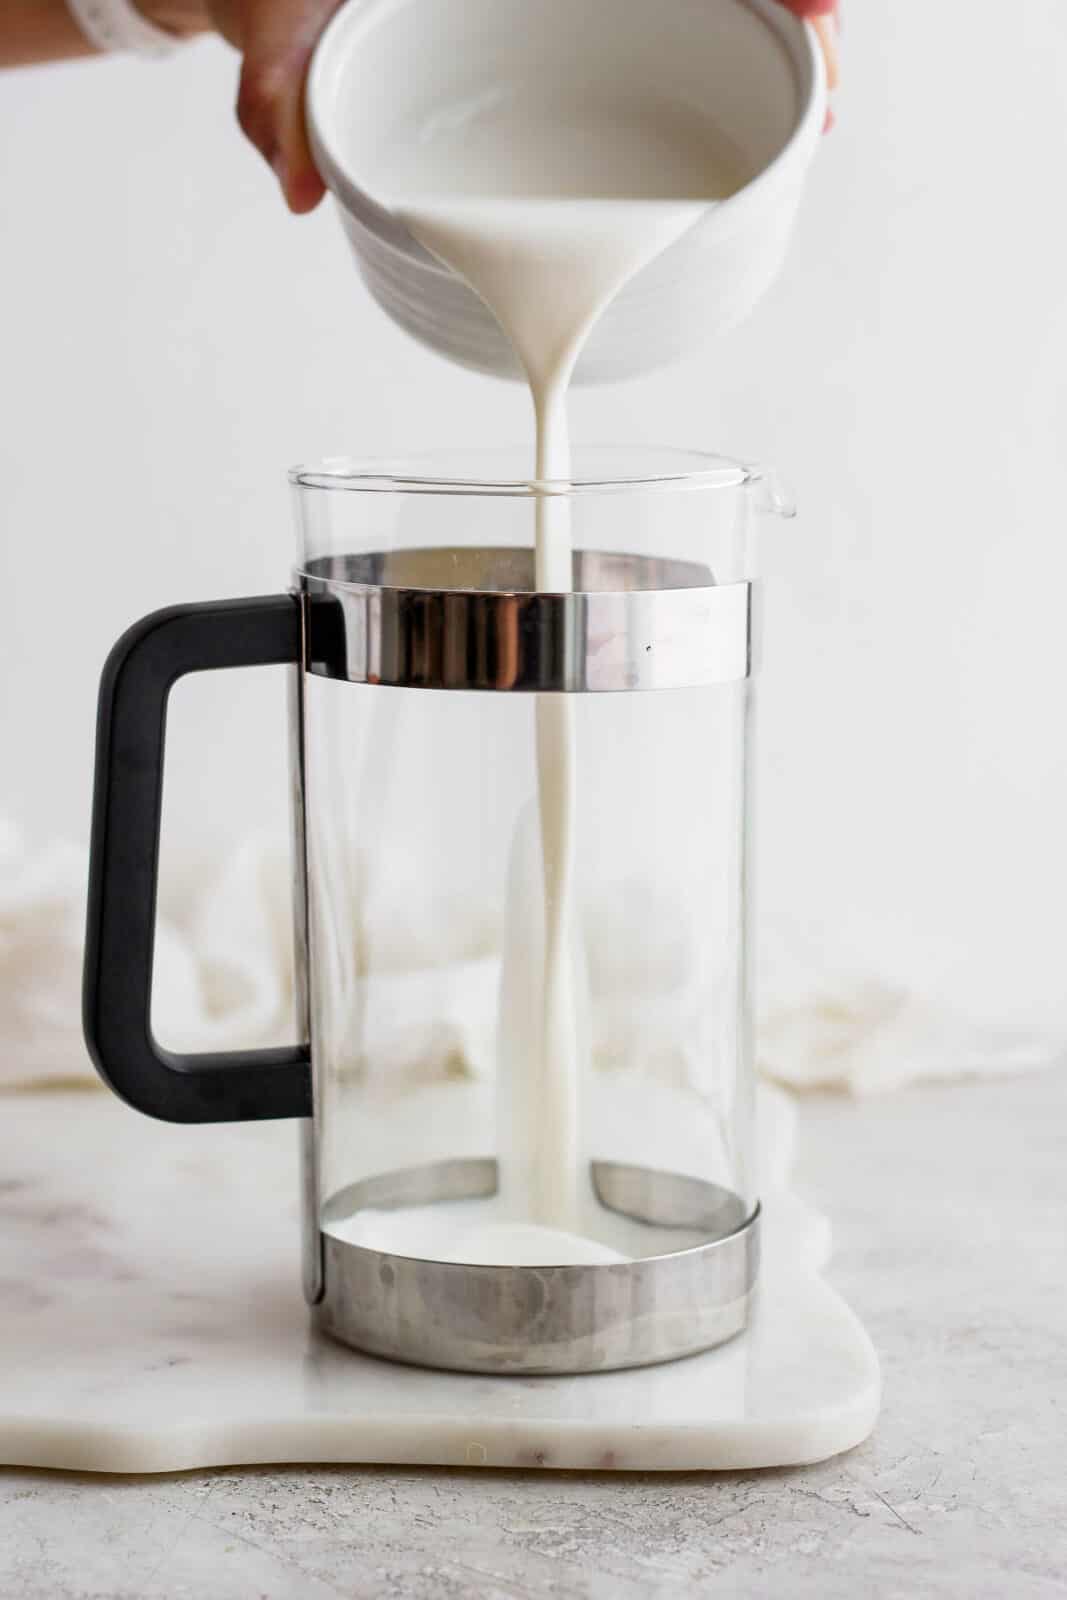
x: 170, y: 340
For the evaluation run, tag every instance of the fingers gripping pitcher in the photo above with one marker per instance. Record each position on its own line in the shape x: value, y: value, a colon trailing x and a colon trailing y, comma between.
x: 521, y: 712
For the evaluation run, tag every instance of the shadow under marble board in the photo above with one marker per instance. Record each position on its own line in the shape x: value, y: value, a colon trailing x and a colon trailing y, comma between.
x: 151, y: 1321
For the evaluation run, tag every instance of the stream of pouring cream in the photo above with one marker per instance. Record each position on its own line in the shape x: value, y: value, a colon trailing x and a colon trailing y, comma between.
x: 547, y: 269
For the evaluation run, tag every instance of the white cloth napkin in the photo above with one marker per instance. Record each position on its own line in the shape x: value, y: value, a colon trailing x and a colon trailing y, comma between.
x: 819, y: 1028
x: 223, y: 980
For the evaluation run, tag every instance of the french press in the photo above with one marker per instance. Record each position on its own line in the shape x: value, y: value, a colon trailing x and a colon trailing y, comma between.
x: 418, y: 648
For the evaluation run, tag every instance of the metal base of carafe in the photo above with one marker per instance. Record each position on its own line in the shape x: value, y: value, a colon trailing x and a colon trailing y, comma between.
x: 543, y: 1320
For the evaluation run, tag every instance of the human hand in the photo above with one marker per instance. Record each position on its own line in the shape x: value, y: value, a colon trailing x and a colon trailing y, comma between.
x: 276, y: 39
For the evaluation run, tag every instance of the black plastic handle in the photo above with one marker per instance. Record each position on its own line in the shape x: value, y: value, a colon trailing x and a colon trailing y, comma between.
x: 136, y: 683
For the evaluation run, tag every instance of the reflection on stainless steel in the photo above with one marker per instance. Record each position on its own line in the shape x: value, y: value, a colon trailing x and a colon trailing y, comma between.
x: 468, y: 618
x: 539, y: 1320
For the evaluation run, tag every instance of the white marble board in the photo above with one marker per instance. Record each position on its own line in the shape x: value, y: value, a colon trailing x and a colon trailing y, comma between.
x: 151, y: 1321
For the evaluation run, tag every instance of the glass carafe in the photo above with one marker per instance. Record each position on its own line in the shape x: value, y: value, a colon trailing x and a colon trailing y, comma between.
x: 526, y: 1086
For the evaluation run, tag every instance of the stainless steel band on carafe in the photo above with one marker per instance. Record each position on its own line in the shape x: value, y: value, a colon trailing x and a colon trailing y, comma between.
x: 542, y: 1320
x: 436, y: 619
x: 466, y: 618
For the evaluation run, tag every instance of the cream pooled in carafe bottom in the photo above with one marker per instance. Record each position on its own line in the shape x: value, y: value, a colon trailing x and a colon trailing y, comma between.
x: 547, y: 268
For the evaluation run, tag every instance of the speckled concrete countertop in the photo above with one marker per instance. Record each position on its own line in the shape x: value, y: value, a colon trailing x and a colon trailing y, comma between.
x: 949, y: 1207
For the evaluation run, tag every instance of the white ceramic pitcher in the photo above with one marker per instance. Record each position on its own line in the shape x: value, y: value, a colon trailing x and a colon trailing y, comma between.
x: 386, y: 70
